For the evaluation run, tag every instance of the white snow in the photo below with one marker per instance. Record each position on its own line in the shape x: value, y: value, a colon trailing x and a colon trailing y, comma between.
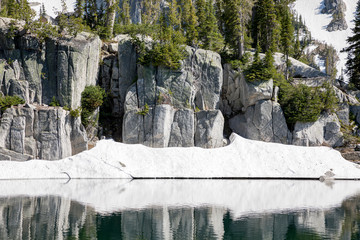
x: 241, y: 197
x: 243, y: 158
x: 52, y: 7
x: 310, y: 10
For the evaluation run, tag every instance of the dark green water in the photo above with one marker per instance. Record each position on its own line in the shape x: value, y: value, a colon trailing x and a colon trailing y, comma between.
x: 179, y: 210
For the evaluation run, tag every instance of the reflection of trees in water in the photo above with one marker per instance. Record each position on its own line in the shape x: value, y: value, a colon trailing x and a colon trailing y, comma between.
x: 59, y: 218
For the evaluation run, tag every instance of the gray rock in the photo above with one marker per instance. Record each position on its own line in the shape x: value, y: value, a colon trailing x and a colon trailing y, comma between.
x: 240, y: 94
x: 162, y: 121
x: 326, y: 130
x: 298, y: 69
x: 263, y: 121
x: 209, y: 129
x: 195, y: 85
x: 332, y: 6
x: 42, y: 132
x: 343, y: 113
x: 182, y: 129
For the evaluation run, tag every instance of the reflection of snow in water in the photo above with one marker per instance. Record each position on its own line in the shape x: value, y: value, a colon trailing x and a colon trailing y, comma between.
x: 161, y: 209
x: 241, y: 197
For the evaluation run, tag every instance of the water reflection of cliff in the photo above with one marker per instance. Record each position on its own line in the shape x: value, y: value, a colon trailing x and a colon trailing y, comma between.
x: 58, y: 218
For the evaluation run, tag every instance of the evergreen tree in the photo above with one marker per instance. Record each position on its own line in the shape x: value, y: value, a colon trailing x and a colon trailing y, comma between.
x: 353, y: 59
x: 266, y: 25
x: 150, y: 10
x: 201, y: 17
x: 213, y: 40
x: 125, y: 13
x: 287, y: 32
x: 236, y: 15
x: 189, y: 22
x: 79, y: 8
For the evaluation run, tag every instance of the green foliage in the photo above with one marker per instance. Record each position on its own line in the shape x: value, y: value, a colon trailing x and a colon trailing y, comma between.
x: 260, y: 70
x: 8, y: 101
x: 54, y: 102
x: 144, y: 111
x: 75, y: 112
x: 305, y: 104
x: 353, y: 59
x: 91, y: 98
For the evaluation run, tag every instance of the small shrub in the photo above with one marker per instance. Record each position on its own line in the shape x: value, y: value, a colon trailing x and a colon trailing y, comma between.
x: 305, y: 104
x: 8, y: 101
x: 91, y: 98
x: 75, y: 112
x: 54, y: 102
x: 144, y: 111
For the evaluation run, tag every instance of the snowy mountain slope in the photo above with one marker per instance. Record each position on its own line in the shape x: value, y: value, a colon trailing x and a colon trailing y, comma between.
x: 51, y: 6
x: 310, y: 10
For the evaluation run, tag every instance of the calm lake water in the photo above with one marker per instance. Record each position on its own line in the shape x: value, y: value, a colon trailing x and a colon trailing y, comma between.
x: 179, y: 209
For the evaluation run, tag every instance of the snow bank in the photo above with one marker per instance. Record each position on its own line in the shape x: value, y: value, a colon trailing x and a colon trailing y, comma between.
x: 243, y: 158
x: 317, y: 23
x: 241, y: 197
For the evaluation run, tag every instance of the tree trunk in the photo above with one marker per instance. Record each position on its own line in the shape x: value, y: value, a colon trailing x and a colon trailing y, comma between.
x: 111, y: 14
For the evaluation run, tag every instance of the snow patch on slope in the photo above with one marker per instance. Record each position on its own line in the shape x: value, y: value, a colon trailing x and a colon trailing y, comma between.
x: 52, y: 7
x: 243, y: 158
x: 317, y: 23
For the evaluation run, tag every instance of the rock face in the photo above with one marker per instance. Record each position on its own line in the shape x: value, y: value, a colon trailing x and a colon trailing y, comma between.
x: 337, y: 8
x: 325, y: 131
x: 263, y: 121
x: 297, y: 68
x: 38, y: 71
x: 41, y: 133
x: 238, y: 94
x: 172, y: 107
x: 332, y: 6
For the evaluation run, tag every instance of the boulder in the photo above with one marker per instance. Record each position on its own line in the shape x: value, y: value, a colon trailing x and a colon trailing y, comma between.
x: 183, y: 129
x: 263, y: 121
x: 41, y: 132
x: 325, y: 131
x: 209, y: 129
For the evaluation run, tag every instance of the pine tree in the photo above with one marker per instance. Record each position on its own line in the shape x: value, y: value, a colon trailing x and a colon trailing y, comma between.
x: 353, y: 59
x: 287, y: 32
x: 201, y: 17
x: 189, y: 22
x: 150, y: 11
x: 266, y: 25
x: 236, y: 15
x: 213, y: 40
x: 125, y: 13
x: 79, y: 8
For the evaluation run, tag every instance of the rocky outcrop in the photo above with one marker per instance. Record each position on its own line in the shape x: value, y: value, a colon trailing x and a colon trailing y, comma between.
x: 41, y: 132
x: 297, y: 68
x: 38, y: 71
x: 337, y: 8
x: 167, y: 107
x: 325, y: 131
x: 238, y: 94
x: 332, y: 6
x: 263, y: 121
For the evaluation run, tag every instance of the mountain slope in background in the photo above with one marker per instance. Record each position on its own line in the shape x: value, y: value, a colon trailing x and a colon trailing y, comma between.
x: 317, y: 23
